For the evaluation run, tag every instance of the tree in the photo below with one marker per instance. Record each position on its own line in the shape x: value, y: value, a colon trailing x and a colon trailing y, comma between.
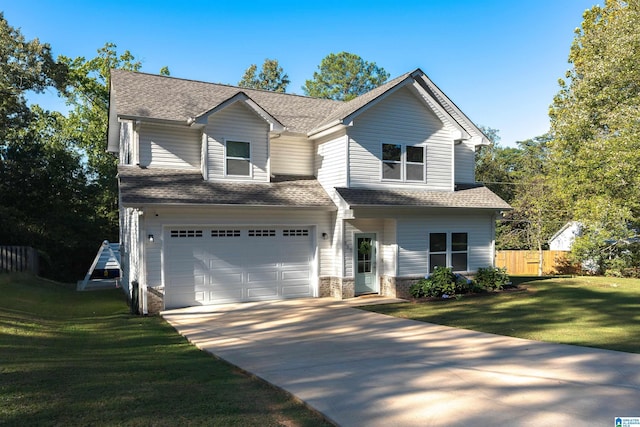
x: 45, y: 201
x: 344, y: 76
x: 595, y: 121
x: 271, y: 77
x: 596, y: 115
x: 86, y: 125
x: 24, y: 66
x: 496, y: 166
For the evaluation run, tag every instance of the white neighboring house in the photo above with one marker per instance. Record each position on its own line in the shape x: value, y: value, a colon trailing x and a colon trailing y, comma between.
x: 563, y: 239
x: 230, y: 194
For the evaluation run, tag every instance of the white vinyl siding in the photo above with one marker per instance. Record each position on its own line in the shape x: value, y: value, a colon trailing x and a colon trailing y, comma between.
x: 129, y: 256
x: 174, y: 147
x: 413, y: 240
x: 237, y: 123
x: 331, y: 162
x: 465, y: 158
x: 400, y: 119
x: 389, y: 248
x: 291, y: 156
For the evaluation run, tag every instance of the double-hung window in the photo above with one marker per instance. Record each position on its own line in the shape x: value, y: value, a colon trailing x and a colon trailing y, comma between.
x: 448, y: 250
x: 238, y: 158
x: 403, y: 162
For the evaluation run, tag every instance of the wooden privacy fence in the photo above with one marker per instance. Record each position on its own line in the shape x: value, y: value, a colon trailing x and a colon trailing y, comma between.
x: 527, y: 262
x: 18, y: 259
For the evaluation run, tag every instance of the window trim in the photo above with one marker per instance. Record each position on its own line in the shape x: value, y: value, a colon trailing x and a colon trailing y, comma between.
x: 403, y: 162
x: 449, y: 252
x: 227, y: 157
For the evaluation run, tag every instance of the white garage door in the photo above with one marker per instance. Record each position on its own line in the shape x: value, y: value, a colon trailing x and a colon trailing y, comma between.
x: 225, y: 264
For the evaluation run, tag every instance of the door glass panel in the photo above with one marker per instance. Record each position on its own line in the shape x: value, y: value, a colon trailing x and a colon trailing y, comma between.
x: 364, y: 254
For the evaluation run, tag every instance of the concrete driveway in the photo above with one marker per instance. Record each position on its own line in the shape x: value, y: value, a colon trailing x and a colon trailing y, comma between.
x: 366, y: 369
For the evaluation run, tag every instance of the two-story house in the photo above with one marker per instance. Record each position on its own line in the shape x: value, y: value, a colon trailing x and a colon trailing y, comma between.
x: 232, y: 194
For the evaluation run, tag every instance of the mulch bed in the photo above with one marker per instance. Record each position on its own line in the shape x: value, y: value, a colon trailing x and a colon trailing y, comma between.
x: 509, y: 289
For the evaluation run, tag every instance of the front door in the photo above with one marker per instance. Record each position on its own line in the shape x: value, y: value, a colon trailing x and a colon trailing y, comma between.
x: 365, y: 263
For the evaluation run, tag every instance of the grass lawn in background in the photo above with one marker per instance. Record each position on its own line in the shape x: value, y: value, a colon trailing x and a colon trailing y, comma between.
x: 601, y: 312
x: 79, y: 358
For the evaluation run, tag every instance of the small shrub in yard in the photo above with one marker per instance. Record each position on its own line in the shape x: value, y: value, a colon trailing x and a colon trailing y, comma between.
x: 491, y: 278
x: 439, y: 283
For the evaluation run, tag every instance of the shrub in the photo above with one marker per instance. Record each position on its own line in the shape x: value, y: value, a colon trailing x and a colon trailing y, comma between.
x: 491, y: 278
x: 441, y: 282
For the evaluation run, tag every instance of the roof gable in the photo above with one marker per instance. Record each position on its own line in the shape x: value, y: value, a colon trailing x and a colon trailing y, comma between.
x: 145, y: 96
x: 242, y: 98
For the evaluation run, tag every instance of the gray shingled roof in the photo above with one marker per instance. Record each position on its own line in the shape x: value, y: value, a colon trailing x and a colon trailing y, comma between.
x: 140, y: 95
x: 477, y: 197
x: 168, y: 98
x: 140, y: 186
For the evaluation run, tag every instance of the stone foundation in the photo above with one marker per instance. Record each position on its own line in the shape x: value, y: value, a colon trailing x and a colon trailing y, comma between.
x: 155, y: 300
x: 325, y: 287
x: 336, y: 287
x: 397, y: 287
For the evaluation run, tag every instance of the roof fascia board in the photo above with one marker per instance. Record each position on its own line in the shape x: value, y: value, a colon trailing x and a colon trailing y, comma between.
x: 274, y: 124
x: 143, y: 119
x: 327, y: 208
x: 332, y: 127
x: 483, y: 138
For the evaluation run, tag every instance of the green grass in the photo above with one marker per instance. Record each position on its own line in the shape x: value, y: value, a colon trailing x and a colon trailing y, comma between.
x: 79, y: 358
x: 588, y: 311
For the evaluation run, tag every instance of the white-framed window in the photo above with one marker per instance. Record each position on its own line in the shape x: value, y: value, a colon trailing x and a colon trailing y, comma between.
x: 403, y: 162
x: 449, y: 250
x: 237, y: 158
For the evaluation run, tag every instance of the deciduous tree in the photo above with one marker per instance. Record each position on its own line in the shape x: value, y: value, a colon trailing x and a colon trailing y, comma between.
x: 24, y: 66
x: 596, y: 115
x: 595, y: 121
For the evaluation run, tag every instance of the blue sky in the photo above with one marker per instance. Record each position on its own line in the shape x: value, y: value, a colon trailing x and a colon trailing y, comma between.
x: 498, y: 60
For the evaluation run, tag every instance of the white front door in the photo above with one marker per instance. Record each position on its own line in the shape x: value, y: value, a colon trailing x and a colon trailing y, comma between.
x: 365, y: 263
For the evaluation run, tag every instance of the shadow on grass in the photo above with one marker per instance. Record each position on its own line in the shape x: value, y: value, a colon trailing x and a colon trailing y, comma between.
x: 550, y: 310
x: 112, y: 368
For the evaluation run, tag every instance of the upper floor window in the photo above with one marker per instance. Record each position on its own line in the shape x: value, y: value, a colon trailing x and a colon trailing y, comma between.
x: 238, y: 158
x: 448, y: 250
x: 403, y: 162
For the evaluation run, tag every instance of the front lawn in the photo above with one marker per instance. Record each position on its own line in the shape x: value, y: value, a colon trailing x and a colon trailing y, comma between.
x: 599, y: 312
x: 79, y: 358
